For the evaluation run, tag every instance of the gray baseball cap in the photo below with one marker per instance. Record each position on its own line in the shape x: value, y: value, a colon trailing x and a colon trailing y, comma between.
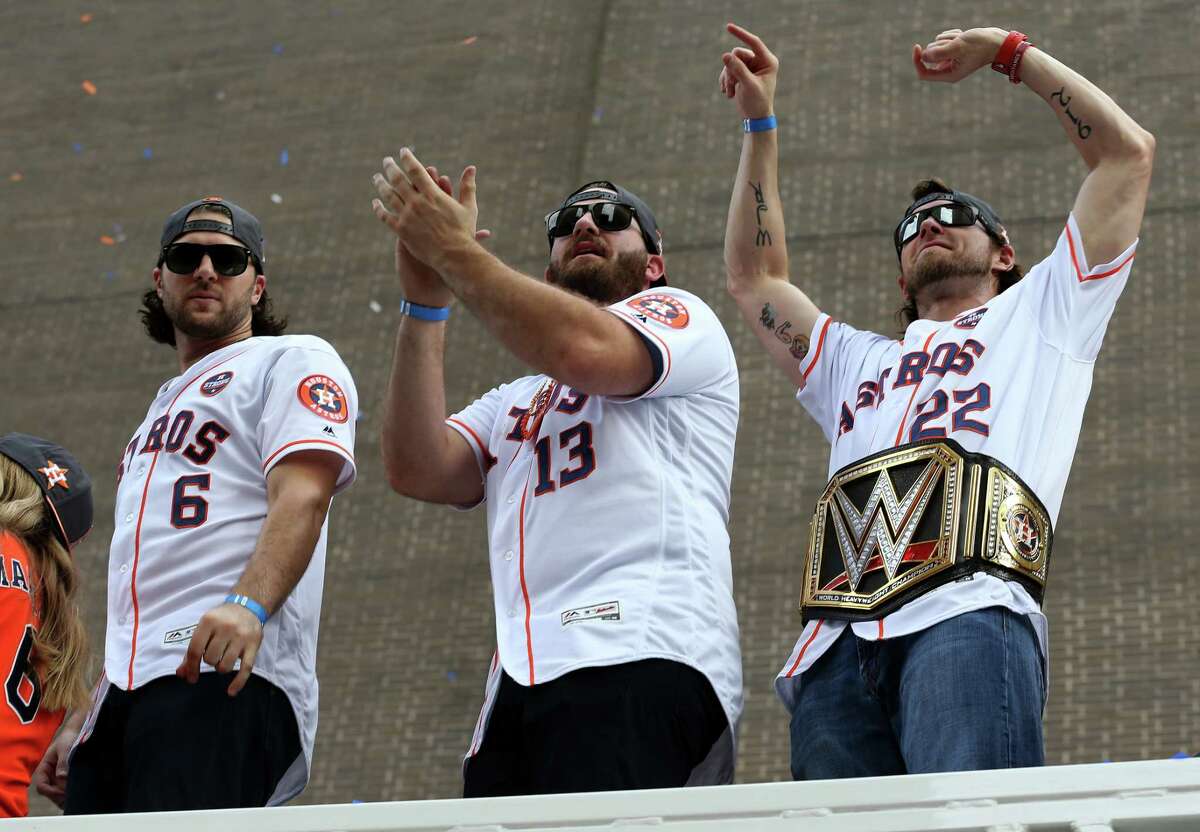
x: 603, y: 189
x: 242, y: 226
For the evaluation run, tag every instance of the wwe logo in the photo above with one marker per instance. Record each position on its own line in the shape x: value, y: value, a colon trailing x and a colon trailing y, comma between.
x: 869, y: 529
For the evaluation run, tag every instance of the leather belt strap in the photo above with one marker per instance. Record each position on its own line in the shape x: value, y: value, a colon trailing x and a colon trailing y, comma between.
x: 899, y: 523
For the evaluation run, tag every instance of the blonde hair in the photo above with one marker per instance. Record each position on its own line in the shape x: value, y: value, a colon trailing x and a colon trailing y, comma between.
x: 60, y: 644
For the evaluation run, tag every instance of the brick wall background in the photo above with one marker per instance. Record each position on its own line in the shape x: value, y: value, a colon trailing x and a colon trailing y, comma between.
x: 199, y: 99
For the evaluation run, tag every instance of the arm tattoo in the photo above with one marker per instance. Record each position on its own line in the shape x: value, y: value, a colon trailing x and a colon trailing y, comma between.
x: 760, y: 207
x: 1081, y: 127
x: 797, y: 344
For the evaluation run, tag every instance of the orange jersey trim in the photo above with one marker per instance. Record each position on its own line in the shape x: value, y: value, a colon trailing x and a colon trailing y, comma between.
x: 282, y: 448
x: 137, y: 535
x: 804, y: 649
x: 488, y: 459
x: 1079, y: 275
x: 916, y: 387
x: 524, y: 587
x: 820, y: 344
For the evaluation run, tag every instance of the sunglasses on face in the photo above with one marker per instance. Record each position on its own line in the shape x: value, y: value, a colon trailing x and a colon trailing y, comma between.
x: 952, y: 215
x: 608, y: 216
x: 228, y: 260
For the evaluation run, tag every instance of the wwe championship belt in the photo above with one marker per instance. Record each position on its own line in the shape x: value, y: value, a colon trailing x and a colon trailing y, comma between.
x: 897, y: 524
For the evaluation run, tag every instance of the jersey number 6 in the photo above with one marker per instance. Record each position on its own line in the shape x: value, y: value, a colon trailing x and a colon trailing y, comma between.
x: 25, y: 709
x: 189, y: 510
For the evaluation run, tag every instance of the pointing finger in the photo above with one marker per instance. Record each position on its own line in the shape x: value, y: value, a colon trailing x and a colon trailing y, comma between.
x: 749, y: 38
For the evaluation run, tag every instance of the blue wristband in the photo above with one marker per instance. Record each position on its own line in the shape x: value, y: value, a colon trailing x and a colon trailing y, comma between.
x: 424, y: 313
x: 759, y: 125
x: 249, y: 603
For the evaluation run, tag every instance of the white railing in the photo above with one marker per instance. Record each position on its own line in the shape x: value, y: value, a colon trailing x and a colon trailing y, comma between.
x: 1158, y: 796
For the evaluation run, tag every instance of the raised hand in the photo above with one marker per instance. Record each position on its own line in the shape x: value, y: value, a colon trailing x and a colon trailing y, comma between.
x: 955, y: 54
x: 418, y: 207
x: 749, y: 74
x: 419, y: 282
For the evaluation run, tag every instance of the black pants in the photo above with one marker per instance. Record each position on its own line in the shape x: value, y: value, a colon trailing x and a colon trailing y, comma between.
x: 641, y: 725
x: 169, y: 745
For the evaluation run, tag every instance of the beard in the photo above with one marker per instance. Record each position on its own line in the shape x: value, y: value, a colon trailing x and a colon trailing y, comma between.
x: 603, y: 281
x: 938, y: 275
x: 231, y: 317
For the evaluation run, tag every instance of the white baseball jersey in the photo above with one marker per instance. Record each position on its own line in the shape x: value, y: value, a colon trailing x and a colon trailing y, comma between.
x: 1008, y: 379
x: 191, y: 501
x: 607, y: 516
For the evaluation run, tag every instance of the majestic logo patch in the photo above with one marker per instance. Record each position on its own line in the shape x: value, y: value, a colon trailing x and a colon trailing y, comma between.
x: 176, y: 636
x: 608, y: 611
x: 971, y: 319
x: 54, y: 475
x: 213, y: 385
x: 662, y: 308
x: 323, y: 396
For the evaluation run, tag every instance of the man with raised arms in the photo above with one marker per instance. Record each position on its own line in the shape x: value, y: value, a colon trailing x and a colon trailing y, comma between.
x: 606, y: 476
x: 924, y: 643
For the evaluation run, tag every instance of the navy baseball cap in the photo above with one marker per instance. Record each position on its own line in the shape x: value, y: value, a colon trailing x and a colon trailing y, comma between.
x: 603, y: 189
x: 242, y: 226
x: 65, y: 485
x: 987, y: 215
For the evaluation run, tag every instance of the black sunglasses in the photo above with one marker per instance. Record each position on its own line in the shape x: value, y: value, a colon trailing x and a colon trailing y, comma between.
x: 228, y: 260
x: 608, y: 216
x: 952, y: 215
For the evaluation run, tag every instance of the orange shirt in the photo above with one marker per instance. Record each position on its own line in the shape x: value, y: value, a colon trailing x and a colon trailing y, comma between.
x: 26, y: 729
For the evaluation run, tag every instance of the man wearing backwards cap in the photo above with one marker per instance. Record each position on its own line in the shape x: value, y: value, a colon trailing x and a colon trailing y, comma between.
x: 606, y: 475
x: 209, y: 694
x: 924, y: 643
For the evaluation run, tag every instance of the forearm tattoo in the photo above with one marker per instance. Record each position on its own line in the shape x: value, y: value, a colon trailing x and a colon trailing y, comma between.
x: 797, y: 344
x: 760, y: 207
x: 1081, y: 127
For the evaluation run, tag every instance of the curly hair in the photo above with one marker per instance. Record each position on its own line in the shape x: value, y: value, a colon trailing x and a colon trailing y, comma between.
x: 907, y: 313
x: 159, y: 326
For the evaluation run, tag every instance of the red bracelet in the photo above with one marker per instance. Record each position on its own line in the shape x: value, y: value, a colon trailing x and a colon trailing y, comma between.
x: 1014, y: 71
x: 1003, y: 62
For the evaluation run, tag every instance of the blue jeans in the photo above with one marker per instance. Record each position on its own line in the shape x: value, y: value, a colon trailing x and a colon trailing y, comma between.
x: 964, y: 694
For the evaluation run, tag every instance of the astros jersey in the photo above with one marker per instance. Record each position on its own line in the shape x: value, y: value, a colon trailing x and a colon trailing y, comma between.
x: 607, y: 516
x: 191, y: 500
x: 26, y: 728
x: 1008, y: 379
